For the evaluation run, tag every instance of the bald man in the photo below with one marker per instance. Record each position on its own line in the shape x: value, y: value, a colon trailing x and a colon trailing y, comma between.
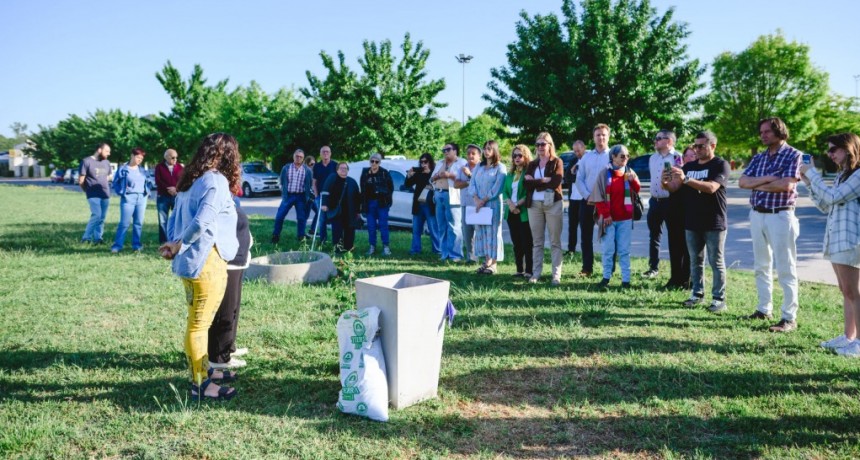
x: 167, y: 174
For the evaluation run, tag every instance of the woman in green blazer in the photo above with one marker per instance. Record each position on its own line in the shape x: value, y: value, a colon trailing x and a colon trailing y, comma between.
x: 514, y: 196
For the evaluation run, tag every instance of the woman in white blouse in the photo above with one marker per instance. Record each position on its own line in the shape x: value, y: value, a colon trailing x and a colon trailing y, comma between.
x: 841, y: 203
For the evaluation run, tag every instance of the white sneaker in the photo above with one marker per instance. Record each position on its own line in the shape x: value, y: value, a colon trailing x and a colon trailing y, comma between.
x: 371, y: 251
x: 835, y: 343
x: 386, y: 251
x: 240, y: 352
x: 852, y: 350
x: 233, y: 363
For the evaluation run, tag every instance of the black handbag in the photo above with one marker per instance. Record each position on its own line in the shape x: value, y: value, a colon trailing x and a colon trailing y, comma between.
x: 638, y: 207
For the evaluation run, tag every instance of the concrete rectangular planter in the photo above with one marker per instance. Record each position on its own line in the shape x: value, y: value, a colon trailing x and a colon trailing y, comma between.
x: 413, y: 328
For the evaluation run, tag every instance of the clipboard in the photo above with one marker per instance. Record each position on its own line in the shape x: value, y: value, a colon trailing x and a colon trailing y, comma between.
x: 482, y: 217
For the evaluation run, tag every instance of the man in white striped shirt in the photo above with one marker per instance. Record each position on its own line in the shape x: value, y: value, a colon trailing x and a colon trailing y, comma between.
x: 594, y: 162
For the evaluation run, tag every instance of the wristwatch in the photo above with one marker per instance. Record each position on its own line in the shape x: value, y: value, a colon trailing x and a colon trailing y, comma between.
x: 686, y: 179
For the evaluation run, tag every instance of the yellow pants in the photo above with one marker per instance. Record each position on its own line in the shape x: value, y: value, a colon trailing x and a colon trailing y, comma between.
x: 203, y: 296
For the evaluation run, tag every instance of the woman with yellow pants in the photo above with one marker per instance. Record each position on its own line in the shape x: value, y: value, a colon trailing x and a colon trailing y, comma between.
x: 201, y: 238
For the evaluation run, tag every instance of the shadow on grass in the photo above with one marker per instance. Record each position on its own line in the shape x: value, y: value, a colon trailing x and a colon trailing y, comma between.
x: 65, y: 239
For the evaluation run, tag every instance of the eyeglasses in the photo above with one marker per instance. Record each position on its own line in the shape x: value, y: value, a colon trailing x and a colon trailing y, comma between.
x: 622, y: 156
x: 424, y: 162
x: 447, y: 149
x: 699, y: 146
x: 660, y: 138
x: 172, y: 158
x: 374, y: 161
x: 540, y: 144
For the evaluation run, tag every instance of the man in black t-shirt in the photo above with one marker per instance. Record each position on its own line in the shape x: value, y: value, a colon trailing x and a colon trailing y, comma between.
x: 702, y: 188
x: 93, y: 180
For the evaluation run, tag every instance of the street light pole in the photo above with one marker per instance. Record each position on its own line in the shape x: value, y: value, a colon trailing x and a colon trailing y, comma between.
x: 463, y: 59
x: 856, y: 94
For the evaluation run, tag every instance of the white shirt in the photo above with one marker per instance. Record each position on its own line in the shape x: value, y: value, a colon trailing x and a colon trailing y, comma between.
x: 592, y: 163
x: 656, y: 165
x: 456, y: 166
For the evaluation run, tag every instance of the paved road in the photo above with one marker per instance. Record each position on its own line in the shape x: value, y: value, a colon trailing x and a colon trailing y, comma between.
x: 810, y: 264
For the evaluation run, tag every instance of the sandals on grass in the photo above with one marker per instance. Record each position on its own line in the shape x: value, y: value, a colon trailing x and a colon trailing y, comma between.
x: 224, y: 393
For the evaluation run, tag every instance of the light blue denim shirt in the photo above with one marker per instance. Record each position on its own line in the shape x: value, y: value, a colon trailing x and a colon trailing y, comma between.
x: 204, y: 216
x: 131, y: 180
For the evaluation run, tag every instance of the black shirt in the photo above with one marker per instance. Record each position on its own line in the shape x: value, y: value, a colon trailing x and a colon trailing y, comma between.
x: 704, y: 211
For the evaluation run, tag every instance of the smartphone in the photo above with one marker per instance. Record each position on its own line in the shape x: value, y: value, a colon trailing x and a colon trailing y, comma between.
x: 667, y: 165
x: 807, y: 159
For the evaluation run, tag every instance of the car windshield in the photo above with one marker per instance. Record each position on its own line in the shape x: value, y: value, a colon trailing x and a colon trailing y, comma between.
x: 256, y: 169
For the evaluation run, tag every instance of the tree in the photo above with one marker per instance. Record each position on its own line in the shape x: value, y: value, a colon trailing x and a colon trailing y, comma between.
x: 617, y: 63
x: 263, y: 125
x: 75, y: 137
x: 390, y: 107
x: 772, y: 77
x: 196, y: 112
x: 482, y: 128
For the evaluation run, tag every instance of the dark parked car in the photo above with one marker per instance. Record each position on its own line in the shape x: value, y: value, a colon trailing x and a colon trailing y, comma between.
x: 57, y: 175
x: 640, y: 166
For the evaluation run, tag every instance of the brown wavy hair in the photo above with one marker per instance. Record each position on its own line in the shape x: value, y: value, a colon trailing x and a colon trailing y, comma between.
x: 218, y: 151
x: 849, y: 142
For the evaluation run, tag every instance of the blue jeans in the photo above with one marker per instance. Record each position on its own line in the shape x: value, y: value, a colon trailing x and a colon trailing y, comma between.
x: 418, y: 221
x: 96, y: 225
x: 297, y: 200
x: 318, y: 216
x: 715, y: 242
x: 448, y: 222
x: 377, y: 218
x: 131, y: 209
x: 468, y: 237
x: 164, y: 204
x: 617, y: 240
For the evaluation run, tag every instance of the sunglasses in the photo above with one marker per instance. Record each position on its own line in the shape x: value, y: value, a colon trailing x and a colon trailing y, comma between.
x: 660, y: 138
x: 424, y: 162
x: 447, y: 149
x: 832, y: 150
x: 374, y: 161
x: 623, y: 156
x: 517, y: 155
x: 540, y: 144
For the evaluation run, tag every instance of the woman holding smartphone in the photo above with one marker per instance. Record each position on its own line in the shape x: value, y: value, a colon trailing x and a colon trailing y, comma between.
x: 842, y: 235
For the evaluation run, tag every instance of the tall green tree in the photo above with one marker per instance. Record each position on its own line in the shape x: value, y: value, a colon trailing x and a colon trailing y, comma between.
x: 390, y: 106
x: 197, y: 109
x: 482, y: 128
x: 617, y: 62
x: 263, y: 124
x: 75, y: 137
x: 773, y: 77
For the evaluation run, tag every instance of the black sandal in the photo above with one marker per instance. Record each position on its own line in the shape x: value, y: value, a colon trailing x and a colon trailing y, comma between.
x: 224, y: 393
x: 227, y: 376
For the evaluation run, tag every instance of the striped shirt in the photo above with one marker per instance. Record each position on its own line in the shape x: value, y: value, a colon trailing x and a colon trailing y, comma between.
x: 840, y: 203
x: 296, y: 179
x: 784, y: 163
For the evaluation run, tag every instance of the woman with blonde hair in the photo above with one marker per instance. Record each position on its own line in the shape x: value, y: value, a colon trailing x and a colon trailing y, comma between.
x: 201, y: 239
x: 516, y: 212
x: 486, y: 188
x: 545, y: 205
x: 842, y: 236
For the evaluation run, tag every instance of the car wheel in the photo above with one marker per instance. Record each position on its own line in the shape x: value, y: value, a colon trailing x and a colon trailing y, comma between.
x: 246, y: 190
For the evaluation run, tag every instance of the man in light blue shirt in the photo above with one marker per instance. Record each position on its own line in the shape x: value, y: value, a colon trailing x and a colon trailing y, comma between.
x: 593, y: 163
x: 447, y: 199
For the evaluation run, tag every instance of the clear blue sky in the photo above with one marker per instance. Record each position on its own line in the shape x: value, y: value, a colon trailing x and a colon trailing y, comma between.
x: 66, y: 58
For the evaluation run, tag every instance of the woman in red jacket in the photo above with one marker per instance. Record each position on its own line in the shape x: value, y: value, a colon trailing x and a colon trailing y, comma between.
x: 613, y: 202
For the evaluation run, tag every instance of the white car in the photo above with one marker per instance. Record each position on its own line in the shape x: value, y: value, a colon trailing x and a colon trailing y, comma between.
x: 400, y: 214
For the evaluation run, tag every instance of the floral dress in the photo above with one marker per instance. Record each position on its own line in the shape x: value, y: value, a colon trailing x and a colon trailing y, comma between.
x: 487, y: 185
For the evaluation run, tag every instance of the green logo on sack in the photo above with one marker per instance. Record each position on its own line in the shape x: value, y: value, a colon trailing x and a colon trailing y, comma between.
x: 350, y: 389
x: 361, y: 407
x: 346, y: 361
x: 359, y: 330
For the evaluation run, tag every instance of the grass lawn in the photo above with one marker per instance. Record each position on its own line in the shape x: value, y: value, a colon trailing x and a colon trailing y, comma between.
x: 91, y: 349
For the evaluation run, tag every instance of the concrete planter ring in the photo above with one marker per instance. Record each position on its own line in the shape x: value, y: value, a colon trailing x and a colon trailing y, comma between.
x: 292, y: 267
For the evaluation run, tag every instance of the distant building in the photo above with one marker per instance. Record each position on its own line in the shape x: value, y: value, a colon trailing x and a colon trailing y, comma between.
x: 19, y: 163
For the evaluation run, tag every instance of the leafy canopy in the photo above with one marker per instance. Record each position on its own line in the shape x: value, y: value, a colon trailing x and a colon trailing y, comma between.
x: 617, y: 62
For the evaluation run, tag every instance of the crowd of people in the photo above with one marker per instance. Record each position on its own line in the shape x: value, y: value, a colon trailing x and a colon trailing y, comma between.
x: 463, y: 202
